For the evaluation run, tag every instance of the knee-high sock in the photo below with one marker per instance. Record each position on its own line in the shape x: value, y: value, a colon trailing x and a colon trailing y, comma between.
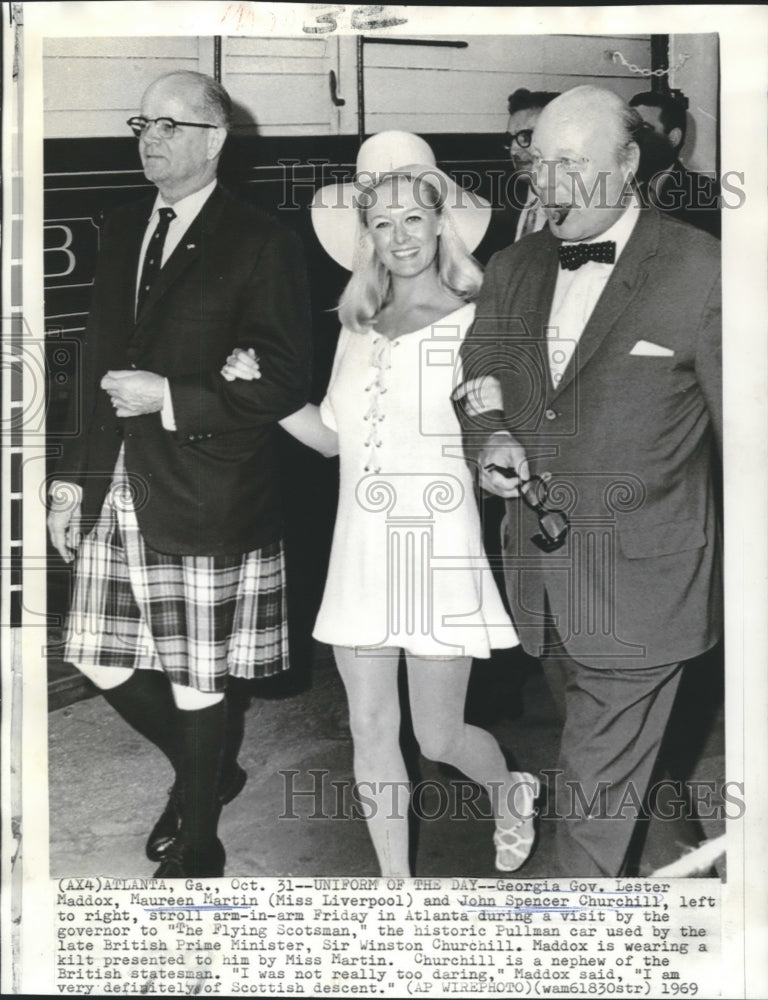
x: 233, y: 734
x: 146, y: 704
x: 202, y: 735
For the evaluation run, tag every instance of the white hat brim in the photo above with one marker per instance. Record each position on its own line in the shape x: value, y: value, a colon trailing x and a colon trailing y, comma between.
x: 335, y: 216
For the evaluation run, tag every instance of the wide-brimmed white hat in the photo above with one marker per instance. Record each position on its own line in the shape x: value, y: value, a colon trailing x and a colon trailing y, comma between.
x: 334, y: 208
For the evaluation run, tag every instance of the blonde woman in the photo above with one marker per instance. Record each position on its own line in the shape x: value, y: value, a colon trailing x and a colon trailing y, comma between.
x: 407, y: 568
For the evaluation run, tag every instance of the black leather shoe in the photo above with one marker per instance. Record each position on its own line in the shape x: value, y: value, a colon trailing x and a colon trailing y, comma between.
x: 166, y: 830
x: 185, y: 861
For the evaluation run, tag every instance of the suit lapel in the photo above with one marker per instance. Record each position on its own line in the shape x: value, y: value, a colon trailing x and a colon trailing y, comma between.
x: 536, y: 300
x: 131, y: 249
x: 624, y: 283
x: 185, y: 253
x: 541, y: 278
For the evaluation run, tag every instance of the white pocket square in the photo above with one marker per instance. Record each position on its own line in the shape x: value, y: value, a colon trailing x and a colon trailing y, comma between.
x: 649, y: 350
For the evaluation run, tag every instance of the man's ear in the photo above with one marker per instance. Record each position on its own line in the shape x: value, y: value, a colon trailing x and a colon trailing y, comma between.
x: 632, y: 160
x: 675, y: 136
x: 216, y: 139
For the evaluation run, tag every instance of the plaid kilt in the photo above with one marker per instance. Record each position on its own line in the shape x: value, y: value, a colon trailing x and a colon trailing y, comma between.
x: 197, y: 618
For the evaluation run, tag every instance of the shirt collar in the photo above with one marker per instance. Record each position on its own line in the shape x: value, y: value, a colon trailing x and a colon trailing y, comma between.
x: 622, y: 228
x: 620, y: 231
x: 187, y: 208
x: 532, y: 200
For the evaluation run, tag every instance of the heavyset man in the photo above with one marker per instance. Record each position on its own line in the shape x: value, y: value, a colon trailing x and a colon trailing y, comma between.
x: 604, y: 333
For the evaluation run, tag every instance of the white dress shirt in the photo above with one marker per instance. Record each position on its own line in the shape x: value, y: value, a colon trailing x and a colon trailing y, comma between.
x: 187, y: 210
x: 532, y: 217
x: 577, y: 292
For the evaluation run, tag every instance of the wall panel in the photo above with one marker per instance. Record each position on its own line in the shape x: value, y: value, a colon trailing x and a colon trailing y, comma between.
x: 282, y: 84
x: 91, y: 85
x: 436, y: 89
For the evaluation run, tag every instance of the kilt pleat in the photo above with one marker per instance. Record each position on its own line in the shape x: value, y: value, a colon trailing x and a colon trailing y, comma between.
x: 199, y: 619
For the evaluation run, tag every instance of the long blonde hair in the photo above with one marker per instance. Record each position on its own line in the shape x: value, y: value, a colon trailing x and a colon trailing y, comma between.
x: 370, y: 287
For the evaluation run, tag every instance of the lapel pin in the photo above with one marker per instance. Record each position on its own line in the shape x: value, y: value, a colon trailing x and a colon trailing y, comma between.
x: 190, y: 246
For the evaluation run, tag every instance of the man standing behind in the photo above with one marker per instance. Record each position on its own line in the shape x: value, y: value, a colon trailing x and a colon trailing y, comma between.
x: 604, y: 333
x: 182, y: 574
x: 669, y: 185
x: 520, y: 212
x: 524, y: 110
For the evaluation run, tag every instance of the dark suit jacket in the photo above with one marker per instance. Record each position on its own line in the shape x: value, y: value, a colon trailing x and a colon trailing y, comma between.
x: 688, y: 196
x: 627, y: 438
x: 236, y: 278
x: 514, y: 192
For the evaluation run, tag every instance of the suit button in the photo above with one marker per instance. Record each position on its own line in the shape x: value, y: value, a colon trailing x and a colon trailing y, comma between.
x: 550, y: 414
x: 191, y: 437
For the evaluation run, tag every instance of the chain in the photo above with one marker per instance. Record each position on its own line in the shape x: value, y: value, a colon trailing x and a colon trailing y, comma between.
x: 682, y: 60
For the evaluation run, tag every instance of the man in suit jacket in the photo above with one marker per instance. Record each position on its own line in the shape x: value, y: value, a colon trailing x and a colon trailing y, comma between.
x: 666, y: 182
x: 603, y: 332
x: 173, y: 478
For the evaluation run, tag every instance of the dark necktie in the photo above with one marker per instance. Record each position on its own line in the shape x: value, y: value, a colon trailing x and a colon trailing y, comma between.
x: 574, y: 255
x: 153, y: 258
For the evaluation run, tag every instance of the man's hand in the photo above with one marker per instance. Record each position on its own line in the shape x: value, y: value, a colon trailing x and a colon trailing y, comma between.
x: 502, y: 452
x: 64, y: 519
x: 241, y: 364
x: 134, y: 392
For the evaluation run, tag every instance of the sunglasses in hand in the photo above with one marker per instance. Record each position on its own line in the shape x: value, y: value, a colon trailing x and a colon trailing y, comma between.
x: 553, y: 523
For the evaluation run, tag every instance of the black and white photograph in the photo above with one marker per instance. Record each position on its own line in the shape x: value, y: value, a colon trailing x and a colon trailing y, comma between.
x: 384, y: 447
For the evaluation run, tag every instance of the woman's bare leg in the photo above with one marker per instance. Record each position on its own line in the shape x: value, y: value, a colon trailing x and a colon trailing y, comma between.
x: 374, y: 718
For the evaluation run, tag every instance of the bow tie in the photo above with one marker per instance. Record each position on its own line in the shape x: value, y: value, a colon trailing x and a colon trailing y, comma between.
x: 574, y: 255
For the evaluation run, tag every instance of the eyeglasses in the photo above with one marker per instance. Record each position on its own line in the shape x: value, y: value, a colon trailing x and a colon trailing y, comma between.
x: 166, y: 127
x: 522, y: 138
x: 566, y: 164
x: 553, y: 523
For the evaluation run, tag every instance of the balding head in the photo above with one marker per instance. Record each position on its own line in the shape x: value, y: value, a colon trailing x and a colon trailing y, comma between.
x: 201, y: 91
x: 586, y: 107
x: 585, y: 155
x: 186, y: 161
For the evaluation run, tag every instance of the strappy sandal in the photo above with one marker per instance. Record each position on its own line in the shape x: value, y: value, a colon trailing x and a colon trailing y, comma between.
x: 513, y: 844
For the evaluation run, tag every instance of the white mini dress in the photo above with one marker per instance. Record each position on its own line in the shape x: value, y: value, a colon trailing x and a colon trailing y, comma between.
x: 407, y: 567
